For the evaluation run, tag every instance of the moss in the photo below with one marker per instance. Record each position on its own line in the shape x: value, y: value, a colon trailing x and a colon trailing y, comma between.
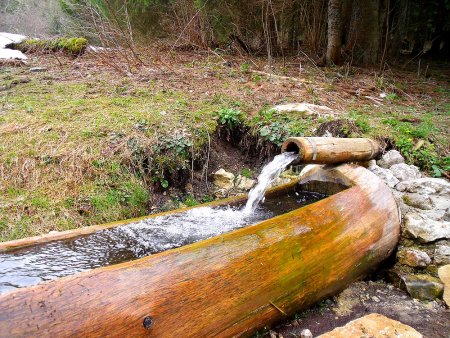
x: 407, y: 200
x: 74, y: 45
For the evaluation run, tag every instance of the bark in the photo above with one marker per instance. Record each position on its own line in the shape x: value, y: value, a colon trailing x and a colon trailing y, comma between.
x: 228, y: 285
x: 334, y: 32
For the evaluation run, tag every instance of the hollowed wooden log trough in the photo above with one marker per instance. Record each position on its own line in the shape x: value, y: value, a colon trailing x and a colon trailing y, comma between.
x: 228, y: 285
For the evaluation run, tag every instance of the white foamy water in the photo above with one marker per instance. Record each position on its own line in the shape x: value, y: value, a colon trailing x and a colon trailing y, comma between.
x: 36, y: 264
x: 269, y: 174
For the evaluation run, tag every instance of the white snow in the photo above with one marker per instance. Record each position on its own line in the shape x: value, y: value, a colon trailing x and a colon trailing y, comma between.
x: 6, y: 39
x: 6, y: 53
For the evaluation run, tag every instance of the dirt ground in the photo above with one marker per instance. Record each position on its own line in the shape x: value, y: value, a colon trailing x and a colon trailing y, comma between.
x: 432, y: 319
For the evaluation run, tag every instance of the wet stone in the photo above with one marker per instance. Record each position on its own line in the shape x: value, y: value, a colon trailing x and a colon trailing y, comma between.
x: 423, y: 287
x: 414, y: 258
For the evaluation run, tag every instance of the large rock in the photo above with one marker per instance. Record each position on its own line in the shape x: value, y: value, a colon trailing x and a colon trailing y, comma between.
x: 243, y: 183
x: 304, y: 108
x: 405, y: 172
x: 386, y: 175
x: 390, y: 158
x: 423, y: 287
x: 373, y: 325
x: 444, y: 275
x: 425, y: 229
x: 419, y: 201
x: 414, y: 258
x: 223, y: 179
x: 425, y: 185
x: 442, y: 254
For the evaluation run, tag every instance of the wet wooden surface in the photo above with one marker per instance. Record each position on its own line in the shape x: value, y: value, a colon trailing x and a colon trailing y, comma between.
x: 228, y: 285
x: 329, y: 150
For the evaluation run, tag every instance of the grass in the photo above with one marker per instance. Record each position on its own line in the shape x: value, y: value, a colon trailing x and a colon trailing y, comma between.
x: 79, y: 150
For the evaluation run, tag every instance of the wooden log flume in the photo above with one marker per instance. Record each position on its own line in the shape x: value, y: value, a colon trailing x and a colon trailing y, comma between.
x: 328, y: 150
x: 228, y: 285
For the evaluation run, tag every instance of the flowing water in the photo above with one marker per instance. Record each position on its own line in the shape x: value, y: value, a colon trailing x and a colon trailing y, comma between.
x: 33, y: 265
x: 269, y: 173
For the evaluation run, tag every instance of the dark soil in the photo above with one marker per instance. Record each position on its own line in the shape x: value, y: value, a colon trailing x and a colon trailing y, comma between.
x: 432, y: 319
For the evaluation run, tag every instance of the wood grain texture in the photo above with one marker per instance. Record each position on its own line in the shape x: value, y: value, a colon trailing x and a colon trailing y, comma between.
x: 228, y: 285
x: 329, y: 150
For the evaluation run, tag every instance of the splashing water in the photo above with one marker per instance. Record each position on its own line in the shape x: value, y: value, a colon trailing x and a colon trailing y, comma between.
x: 269, y: 173
x: 36, y: 264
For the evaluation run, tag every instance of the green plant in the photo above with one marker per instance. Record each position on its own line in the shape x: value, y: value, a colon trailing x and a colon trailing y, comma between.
x: 229, y: 117
x: 274, y: 132
x: 245, y: 67
x: 190, y: 201
x: 246, y: 172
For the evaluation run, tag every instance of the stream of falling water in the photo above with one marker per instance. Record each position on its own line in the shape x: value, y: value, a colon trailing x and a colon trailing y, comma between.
x: 33, y: 265
x: 269, y: 174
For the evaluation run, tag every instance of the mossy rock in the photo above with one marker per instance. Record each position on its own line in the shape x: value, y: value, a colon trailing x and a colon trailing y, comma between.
x: 74, y: 46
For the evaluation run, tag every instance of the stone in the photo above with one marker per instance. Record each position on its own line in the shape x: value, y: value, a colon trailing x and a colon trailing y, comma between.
x: 306, y: 108
x: 419, y: 201
x: 306, y: 334
x: 427, y: 185
x: 405, y: 172
x: 243, y: 183
x: 386, y: 175
x: 442, y: 254
x: 223, y: 179
x: 373, y: 325
x: 37, y: 69
x: 425, y: 229
x: 423, y: 287
x: 444, y: 276
x: 390, y: 158
x: 414, y: 258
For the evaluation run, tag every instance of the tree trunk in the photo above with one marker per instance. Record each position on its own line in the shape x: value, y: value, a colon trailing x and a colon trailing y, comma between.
x: 367, y: 31
x: 229, y: 285
x: 334, y: 32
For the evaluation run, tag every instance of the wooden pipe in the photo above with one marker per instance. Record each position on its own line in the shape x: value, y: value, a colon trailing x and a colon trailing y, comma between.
x: 228, y: 285
x: 328, y: 150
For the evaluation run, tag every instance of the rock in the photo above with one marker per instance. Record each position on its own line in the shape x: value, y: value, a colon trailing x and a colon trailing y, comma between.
x: 414, y: 258
x: 442, y: 254
x: 223, y: 179
x: 441, y: 202
x: 423, y: 287
x: 306, y: 108
x: 405, y: 172
x: 38, y: 69
x: 425, y: 185
x: 425, y: 229
x: 221, y: 193
x: 386, y: 175
x: 444, y: 275
x: 243, y: 183
x: 390, y: 158
x: 306, y: 334
x: 373, y: 325
x: 375, y: 299
x: 419, y: 201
